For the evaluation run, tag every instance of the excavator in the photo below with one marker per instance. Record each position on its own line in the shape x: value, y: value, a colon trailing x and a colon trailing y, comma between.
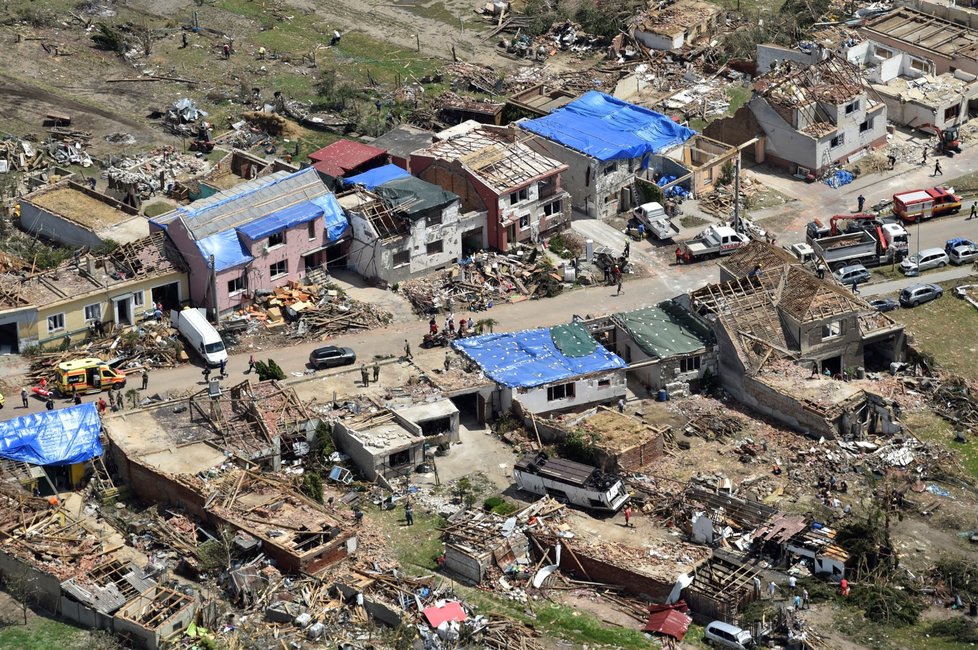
x: 947, y: 140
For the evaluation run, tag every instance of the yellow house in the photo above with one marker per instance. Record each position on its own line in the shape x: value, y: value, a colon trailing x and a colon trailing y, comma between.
x: 117, y: 289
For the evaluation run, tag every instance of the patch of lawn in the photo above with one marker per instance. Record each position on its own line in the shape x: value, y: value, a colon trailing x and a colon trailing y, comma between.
x: 156, y: 208
x: 415, y: 547
x: 946, y: 329
x: 435, y: 11
x: 738, y: 95
x: 42, y: 634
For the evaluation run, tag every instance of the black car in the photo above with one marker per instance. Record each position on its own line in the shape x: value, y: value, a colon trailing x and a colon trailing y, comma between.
x: 884, y: 304
x: 331, y: 356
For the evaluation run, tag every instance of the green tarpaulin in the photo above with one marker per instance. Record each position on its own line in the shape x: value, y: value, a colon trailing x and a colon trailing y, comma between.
x: 573, y: 340
x: 665, y: 330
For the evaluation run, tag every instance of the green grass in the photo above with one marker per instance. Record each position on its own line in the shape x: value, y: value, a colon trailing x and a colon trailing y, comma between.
x: 435, y: 11
x: 946, y: 329
x: 416, y: 547
x: 738, y: 95
x: 42, y: 634
x: 156, y: 208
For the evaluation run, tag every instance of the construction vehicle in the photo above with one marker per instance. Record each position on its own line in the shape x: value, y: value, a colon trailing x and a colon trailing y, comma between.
x: 887, y: 246
x: 947, y: 140
x: 88, y: 375
x: 861, y: 221
x: 919, y: 205
x: 712, y: 242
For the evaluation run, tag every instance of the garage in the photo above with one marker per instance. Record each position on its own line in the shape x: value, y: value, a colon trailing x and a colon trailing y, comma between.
x: 8, y: 338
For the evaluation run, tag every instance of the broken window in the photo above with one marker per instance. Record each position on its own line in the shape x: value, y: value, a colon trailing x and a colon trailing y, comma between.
x: 433, y: 219
x: 952, y: 112
x: 883, y: 53
x: 137, y: 298
x: 560, y: 391
x: 552, y: 208
x: 832, y: 330
x: 276, y: 240
x: 917, y: 64
x: 312, y: 229
x: 866, y: 126
x: 436, y: 427
x: 689, y: 364
x: 852, y: 107
x: 524, y: 222
x: 402, y: 257
x: 838, y: 141
x: 520, y: 195
x: 236, y: 285
x: 400, y: 458
x: 56, y: 322
x: 604, y: 383
x: 278, y: 269
x: 610, y: 169
x: 436, y: 247
x: 93, y: 312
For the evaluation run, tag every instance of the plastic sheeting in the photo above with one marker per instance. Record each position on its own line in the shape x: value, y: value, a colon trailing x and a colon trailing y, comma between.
x: 60, y: 437
x: 573, y: 340
x: 839, y: 178
x: 226, y: 248
x: 374, y: 177
x: 322, y: 206
x: 530, y: 358
x: 665, y: 330
x: 607, y: 128
x: 415, y: 195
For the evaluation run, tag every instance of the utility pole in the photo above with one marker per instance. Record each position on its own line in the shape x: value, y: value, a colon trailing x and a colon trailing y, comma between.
x: 737, y: 193
x: 214, y: 308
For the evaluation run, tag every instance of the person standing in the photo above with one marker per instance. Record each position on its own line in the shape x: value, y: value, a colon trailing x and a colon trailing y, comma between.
x: 23, y: 397
x: 892, y: 160
x: 226, y: 51
x: 792, y: 583
x: 409, y: 514
x: 619, y: 286
x: 628, y: 516
x: 49, y: 405
x: 855, y: 288
x: 621, y: 405
x: 251, y: 364
x: 861, y: 200
x: 358, y: 516
x: 77, y: 399
x: 206, y: 373
x: 628, y: 248
x: 925, y: 155
x: 364, y: 375
x: 376, y: 369
x: 804, y: 598
x: 448, y: 361
x: 407, y: 350
x: 771, y: 588
x: 145, y: 378
x: 224, y: 365
x: 937, y: 169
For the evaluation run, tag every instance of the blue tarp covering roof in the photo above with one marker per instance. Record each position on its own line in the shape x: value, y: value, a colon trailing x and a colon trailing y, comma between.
x: 377, y: 176
x: 607, y: 128
x: 530, y: 358
x: 322, y: 206
x: 226, y: 248
x: 61, y: 437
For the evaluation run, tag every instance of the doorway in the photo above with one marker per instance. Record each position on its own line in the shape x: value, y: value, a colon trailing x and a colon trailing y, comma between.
x: 168, y: 294
x: 123, y: 310
x: 9, y: 339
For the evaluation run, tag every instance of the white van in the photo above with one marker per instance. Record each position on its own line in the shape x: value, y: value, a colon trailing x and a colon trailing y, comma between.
x: 723, y: 635
x: 201, y: 335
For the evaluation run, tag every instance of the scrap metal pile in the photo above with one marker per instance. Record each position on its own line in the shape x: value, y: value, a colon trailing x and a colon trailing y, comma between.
x: 483, y: 280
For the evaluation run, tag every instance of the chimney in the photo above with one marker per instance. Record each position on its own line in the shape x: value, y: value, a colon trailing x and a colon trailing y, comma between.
x: 90, y: 265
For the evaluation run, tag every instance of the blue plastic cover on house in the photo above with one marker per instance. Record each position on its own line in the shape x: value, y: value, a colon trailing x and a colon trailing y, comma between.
x: 530, y: 358
x: 607, y: 128
x: 322, y: 206
x: 377, y: 176
x: 61, y: 437
x: 226, y: 248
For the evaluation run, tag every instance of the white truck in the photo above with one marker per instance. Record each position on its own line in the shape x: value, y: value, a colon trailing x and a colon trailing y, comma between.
x: 570, y: 482
x: 657, y: 223
x: 712, y: 242
x: 200, y: 335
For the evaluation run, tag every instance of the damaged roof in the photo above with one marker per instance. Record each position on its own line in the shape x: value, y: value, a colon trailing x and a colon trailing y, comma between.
x: 665, y: 330
x: 676, y: 18
x: 925, y: 31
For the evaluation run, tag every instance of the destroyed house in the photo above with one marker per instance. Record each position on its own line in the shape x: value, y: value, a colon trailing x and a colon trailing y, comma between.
x: 477, y: 541
x: 258, y: 236
x: 547, y: 370
x: 789, y: 537
x: 401, y: 141
x: 344, y: 158
x: 570, y: 482
x: 402, y: 226
x: 519, y: 191
x: 787, y: 315
x: 77, y: 216
x: 381, y: 443
x: 679, y: 23
x: 923, y: 67
x: 817, y: 116
x: 665, y: 346
x: 118, y: 289
x: 603, y: 142
x: 233, y: 169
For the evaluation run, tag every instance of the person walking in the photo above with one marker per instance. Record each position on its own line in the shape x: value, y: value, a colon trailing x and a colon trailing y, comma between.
x: 206, y: 373
x: 679, y: 255
x: 974, y: 212
x: 619, y: 286
x: 407, y: 350
x: 621, y: 405
x: 251, y: 364
x: 364, y: 375
x: 804, y: 598
x: 224, y: 365
x: 937, y: 169
x: 855, y: 288
x: 448, y: 361
x: 925, y: 155
x: 409, y: 514
x: 376, y: 369
x: 145, y: 378
x: 226, y: 51
x: 792, y: 583
x: 771, y: 588
x: 861, y: 200
x: 628, y: 249
x: 23, y: 397
x: 628, y: 516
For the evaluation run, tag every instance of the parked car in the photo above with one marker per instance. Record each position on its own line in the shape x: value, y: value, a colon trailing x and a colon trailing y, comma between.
x: 725, y: 635
x: 929, y: 258
x: 916, y: 294
x: 331, y: 356
x: 884, y: 304
x: 856, y: 273
x: 954, y: 242
x: 963, y: 254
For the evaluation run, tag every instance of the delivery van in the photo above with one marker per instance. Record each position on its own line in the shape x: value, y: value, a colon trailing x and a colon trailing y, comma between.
x: 200, y: 335
x: 88, y: 375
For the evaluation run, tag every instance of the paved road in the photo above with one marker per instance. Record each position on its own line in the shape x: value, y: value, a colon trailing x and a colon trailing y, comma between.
x: 894, y: 286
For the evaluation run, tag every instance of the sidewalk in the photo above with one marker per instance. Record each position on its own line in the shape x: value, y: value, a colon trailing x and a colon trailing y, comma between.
x: 895, y: 286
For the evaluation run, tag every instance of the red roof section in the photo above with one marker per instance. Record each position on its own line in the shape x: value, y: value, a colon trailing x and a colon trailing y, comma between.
x: 450, y: 611
x: 669, y: 622
x: 344, y: 156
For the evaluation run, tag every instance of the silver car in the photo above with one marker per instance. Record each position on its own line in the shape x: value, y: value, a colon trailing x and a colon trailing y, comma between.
x: 930, y: 258
x: 964, y: 254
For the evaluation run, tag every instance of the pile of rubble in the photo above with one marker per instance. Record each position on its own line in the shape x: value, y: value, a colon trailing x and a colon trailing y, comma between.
x: 485, y: 279
x: 720, y: 202
x: 313, y: 310
x: 147, y: 172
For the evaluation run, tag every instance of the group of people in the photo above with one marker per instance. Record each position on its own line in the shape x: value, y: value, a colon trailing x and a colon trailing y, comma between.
x: 449, y: 327
x: 223, y: 368
x: 365, y: 374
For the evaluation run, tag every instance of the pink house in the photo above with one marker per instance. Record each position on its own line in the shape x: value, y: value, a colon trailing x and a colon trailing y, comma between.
x: 256, y: 237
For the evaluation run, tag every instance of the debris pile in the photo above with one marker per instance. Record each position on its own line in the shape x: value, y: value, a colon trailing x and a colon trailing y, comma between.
x: 147, y: 173
x: 720, y: 202
x: 486, y: 278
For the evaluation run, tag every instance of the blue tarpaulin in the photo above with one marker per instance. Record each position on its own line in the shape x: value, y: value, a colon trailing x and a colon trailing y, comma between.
x: 607, y: 128
x: 839, y: 178
x: 61, y: 437
x: 530, y: 358
x: 226, y: 248
x: 322, y: 206
x: 378, y: 176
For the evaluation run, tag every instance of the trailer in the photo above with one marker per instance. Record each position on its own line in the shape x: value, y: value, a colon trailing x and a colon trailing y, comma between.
x: 569, y: 482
